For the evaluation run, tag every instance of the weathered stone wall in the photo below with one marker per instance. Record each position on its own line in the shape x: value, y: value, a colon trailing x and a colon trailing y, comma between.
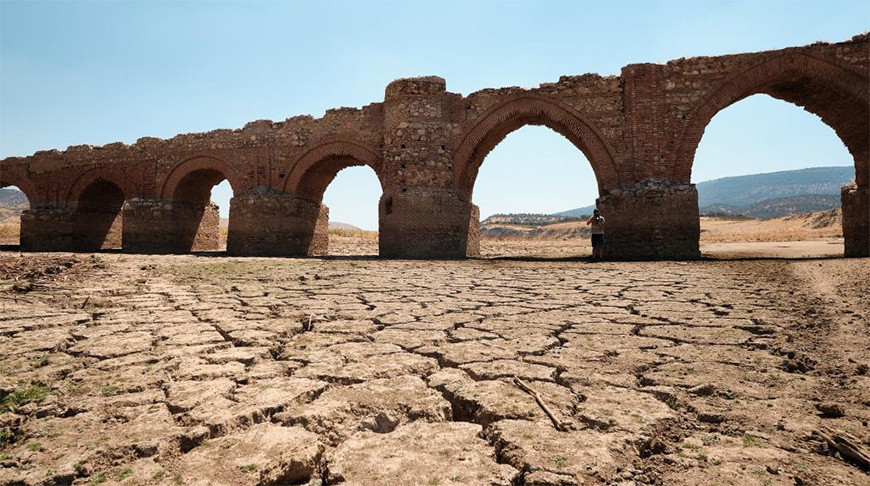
x: 856, y: 220
x: 639, y: 131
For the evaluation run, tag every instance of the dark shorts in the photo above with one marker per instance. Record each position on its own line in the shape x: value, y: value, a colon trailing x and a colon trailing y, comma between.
x: 597, y: 240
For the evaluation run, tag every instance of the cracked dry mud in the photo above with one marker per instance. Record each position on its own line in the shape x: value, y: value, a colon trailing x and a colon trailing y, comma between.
x: 207, y: 370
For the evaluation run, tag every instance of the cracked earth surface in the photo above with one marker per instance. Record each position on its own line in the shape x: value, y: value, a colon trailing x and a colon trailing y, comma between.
x: 207, y: 370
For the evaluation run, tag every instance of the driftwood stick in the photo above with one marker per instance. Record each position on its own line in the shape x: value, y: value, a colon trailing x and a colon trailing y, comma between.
x: 851, y: 450
x: 558, y: 424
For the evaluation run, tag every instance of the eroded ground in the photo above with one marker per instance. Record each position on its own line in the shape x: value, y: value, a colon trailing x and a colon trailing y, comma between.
x: 208, y: 370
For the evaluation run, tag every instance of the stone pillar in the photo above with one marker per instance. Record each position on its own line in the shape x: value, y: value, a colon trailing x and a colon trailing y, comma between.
x: 161, y: 226
x: 48, y: 229
x: 856, y: 220
x: 421, y: 216
x: 268, y: 223
x: 66, y: 229
x: 421, y: 222
x: 653, y: 220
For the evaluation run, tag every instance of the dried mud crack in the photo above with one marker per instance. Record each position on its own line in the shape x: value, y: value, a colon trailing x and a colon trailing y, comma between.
x: 197, y: 370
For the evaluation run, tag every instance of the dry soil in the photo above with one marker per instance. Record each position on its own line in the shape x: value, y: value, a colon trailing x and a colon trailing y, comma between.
x: 135, y: 370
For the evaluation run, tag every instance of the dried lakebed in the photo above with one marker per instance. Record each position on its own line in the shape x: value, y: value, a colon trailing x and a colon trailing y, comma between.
x: 200, y: 370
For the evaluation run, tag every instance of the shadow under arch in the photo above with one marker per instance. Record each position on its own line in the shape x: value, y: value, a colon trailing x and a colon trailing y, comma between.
x: 528, y: 109
x: 96, y: 199
x: 307, y: 218
x: 188, y: 186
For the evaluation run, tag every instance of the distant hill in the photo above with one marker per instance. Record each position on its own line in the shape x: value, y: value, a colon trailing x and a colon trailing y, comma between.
x: 766, y: 195
x: 9, y: 196
x: 335, y: 225
x: 526, y: 219
x: 776, y: 208
x: 577, y: 213
x: 751, y: 189
x: 12, y: 203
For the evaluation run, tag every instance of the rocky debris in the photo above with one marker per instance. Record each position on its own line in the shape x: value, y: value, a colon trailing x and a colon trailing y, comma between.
x: 419, y: 453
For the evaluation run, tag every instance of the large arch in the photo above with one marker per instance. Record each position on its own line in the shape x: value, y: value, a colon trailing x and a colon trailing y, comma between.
x: 836, y: 94
x: 527, y: 109
x: 312, y: 172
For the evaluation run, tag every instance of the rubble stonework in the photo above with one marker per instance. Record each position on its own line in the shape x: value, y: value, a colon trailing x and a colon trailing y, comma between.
x: 639, y: 131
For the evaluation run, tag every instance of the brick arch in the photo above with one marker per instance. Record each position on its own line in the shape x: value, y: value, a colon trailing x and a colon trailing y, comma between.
x: 19, y: 179
x: 200, y: 163
x: 837, y: 94
x: 115, y: 177
x: 509, y: 115
x: 312, y: 172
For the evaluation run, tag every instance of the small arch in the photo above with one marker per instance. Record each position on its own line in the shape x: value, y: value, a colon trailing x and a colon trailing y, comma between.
x: 312, y: 172
x: 104, y: 174
x: 97, y: 197
x: 836, y: 94
x: 17, y: 177
x: 16, y: 204
x: 528, y: 109
x: 193, y: 178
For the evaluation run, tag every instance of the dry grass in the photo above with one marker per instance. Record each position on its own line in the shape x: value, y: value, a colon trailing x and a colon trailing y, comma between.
x: 824, y: 224
x: 354, y: 233
x: 9, y: 233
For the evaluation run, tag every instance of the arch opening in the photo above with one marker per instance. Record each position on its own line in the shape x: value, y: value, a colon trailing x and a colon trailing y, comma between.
x: 533, y: 189
x: 202, y: 223
x: 514, y: 114
x: 98, y: 222
x: 13, y: 203
x: 351, y: 198
x: 784, y: 170
x: 344, y: 182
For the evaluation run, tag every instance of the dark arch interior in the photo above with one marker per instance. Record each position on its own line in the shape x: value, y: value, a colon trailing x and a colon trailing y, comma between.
x: 196, y: 186
x: 99, y: 222
x: 199, y: 227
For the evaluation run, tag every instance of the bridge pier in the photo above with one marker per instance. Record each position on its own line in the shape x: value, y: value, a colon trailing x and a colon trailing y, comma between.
x: 856, y: 220
x: 653, y: 220
x: 164, y: 226
x: 270, y: 223
x: 68, y: 229
x: 419, y: 222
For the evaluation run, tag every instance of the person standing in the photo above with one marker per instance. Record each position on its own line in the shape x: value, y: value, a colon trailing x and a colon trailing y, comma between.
x: 597, y: 222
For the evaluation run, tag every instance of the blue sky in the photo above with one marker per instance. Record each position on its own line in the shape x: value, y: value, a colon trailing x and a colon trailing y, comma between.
x: 97, y: 72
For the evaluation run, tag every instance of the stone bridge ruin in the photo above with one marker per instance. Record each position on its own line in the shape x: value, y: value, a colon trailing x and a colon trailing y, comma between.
x: 639, y: 131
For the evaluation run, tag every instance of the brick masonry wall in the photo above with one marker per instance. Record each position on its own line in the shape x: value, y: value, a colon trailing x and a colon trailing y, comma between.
x: 639, y: 131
